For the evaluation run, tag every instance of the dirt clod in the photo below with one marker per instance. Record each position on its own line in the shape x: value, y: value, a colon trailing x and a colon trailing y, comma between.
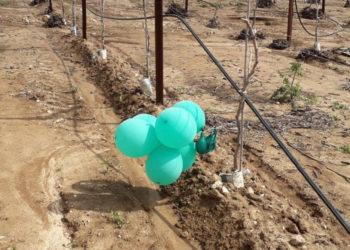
x: 55, y: 20
x: 266, y: 3
x: 310, y: 13
x: 35, y: 2
x: 297, y: 241
x: 244, y: 33
x: 176, y: 9
x: 279, y: 44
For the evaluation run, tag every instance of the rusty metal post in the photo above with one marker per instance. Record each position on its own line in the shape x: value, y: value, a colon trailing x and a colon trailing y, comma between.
x: 50, y: 8
x: 290, y: 21
x: 83, y: 6
x: 324, y: 6
x: 186, y: 6
x: 158, y: 11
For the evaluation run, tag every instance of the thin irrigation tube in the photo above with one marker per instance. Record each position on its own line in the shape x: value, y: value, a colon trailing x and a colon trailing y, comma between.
x: 258, y: 115
x: 307, y: 31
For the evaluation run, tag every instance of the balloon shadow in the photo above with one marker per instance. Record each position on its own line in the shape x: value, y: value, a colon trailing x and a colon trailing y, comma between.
x: 106, y: 195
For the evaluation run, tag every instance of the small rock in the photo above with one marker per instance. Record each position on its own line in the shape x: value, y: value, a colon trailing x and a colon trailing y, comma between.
x: 216, y: 184
x: 297, y: 241
x: 224, y: 190
x: 1, y: 237
x: 250, y: 190
x: 45, y: 18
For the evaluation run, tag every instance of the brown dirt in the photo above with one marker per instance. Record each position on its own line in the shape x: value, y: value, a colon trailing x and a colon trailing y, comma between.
x: 63, y: 105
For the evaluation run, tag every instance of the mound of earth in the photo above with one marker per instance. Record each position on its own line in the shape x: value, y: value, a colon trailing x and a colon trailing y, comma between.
x: 55, y: 20
x: 244, y: 33
x: 279, y: 44
x: 176, y: 9
x: 310, y: 13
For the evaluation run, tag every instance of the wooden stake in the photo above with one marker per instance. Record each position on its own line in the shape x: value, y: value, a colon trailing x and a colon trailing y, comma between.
x: 158, y: 4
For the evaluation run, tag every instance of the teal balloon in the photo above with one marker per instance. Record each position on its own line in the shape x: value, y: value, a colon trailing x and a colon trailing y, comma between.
x: 164, y: 165
x: 196, y: 112
x: 175, y: 128
x: 136, y: 138
x: 188, y: 154
x: 148, y: 118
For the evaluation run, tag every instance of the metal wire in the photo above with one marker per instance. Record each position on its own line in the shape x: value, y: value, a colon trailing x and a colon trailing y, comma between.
x: 307, y: 31
x: 234, y: 84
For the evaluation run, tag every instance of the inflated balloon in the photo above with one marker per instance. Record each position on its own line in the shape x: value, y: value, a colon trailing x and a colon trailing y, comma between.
x: 164, y: 165
x: 148, y: 118
x: 188, y: 154
x: 196, y: 112
x: 136, y: 138
x: 175, y: 127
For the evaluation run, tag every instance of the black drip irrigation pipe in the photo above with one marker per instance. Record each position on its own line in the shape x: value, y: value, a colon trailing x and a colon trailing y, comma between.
x: 256, y: 112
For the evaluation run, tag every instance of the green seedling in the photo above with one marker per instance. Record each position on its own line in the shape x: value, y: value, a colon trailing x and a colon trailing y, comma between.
x: 340, y: 106
x: 106, y: 165
x: 312, y: 100
x: 345, y: 149
x: 118, y: 219
x: 289, y: 91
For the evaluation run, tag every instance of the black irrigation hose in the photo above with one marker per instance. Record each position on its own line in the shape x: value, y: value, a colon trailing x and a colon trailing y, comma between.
x: 307, y: 31
x: 256, y: 112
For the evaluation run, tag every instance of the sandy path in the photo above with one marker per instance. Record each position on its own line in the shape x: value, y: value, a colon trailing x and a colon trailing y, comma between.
x: 56, y: 137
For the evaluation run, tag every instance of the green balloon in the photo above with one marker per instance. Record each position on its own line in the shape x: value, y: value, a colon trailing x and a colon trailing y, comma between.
x: 175, y: 128
x: 148, y: 118
x: 196, y: 112
x: 136, y: 138
x: 188, y: 154
x: 164, y: 165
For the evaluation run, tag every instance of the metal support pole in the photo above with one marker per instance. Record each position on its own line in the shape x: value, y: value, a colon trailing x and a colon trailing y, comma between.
x: 50, y: 9
x: 83, y: 6
x: 186, y: 6
x: 324, y: 6
x: 290, y: 21
x: 158, y: 5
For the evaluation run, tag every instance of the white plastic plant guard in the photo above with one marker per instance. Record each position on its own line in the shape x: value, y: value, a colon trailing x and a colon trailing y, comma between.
x: 236, y: 178
x: 317, y: 46
x: 146, y: 86
x: 73, y: 31
x: 103, y: 54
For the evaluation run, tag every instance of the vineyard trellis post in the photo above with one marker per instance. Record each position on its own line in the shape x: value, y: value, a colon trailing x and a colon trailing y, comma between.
x: 324, y: 7
x: 186, y: 6
x: 158, y: 5
x: 83, y: 6
x: 290, y: 21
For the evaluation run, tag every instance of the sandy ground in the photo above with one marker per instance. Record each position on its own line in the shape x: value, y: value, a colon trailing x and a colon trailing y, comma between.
x: 62, y: 176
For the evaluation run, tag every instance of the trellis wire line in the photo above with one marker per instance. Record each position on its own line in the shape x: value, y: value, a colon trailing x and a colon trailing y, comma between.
x: 147, y: 39
x: 309, y: 180
x: 307, y: 31
x: 102, y: 6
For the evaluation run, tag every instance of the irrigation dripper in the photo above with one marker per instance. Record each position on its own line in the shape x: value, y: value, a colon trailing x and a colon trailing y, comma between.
x: 236, y: 178
x: 73, y: 31
x: 146, y: 86
x: 102, y: 53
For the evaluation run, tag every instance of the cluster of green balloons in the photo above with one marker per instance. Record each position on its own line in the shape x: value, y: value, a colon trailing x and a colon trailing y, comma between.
x: 167, y: 140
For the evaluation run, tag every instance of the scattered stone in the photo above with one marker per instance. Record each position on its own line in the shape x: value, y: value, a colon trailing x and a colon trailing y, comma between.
x: 217, y: 184
x: 224, y: 190
x: 250, y: 190
x: 297, y: 241
x: 279, y: 44
x: 45, y: 18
